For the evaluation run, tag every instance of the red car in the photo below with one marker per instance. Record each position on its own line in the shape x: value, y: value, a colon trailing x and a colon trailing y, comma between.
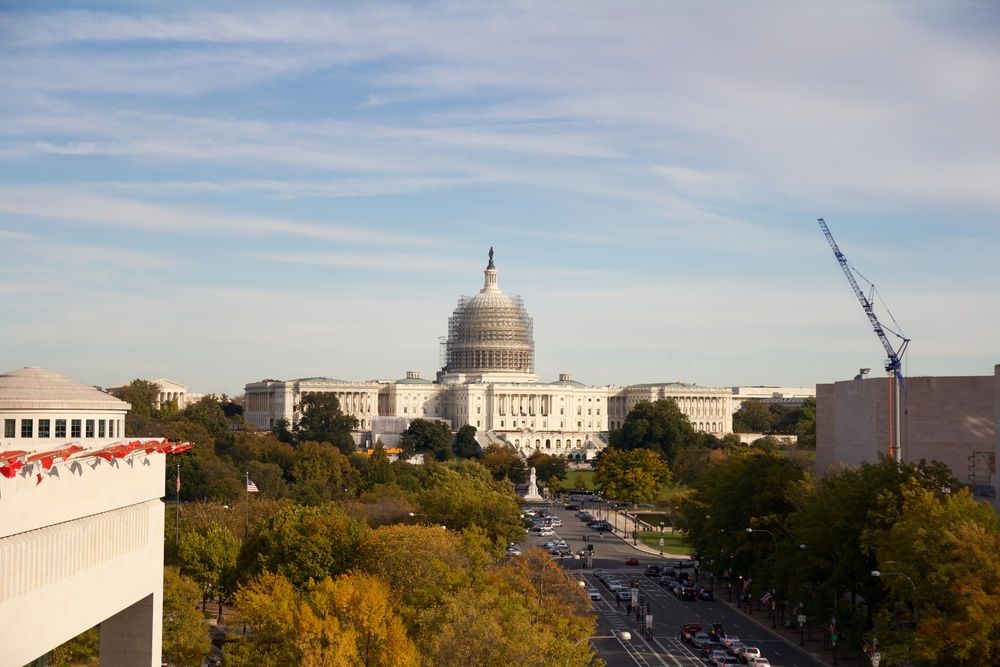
x: 632, y: 561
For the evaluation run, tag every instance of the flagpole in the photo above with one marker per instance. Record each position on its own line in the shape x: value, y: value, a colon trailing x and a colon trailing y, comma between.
x: 246, y: 521
x: 177, y: 510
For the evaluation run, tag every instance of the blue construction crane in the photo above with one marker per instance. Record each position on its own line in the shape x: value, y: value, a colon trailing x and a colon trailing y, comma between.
x: 893, y: 363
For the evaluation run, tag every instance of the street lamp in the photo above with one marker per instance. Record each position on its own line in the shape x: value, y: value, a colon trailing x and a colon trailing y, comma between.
x: 833, y: 622
x: 774, y: 612
x: 876, y: 573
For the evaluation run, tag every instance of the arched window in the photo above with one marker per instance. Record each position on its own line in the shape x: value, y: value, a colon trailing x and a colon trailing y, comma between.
x: 548, y: 444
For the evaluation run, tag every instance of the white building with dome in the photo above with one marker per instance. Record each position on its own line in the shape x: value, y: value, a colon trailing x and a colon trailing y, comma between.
x: 488, y: 381
x: 81, y: 522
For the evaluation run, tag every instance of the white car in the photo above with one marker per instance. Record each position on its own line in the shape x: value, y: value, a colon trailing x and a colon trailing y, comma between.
x: 594, y: 593
x: 759, y: 662
x: 513, y: 551
x: 546, y: 532
x: 749, y: 652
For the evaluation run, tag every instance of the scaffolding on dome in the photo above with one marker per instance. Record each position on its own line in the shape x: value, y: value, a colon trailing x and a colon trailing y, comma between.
x: 497, y: 335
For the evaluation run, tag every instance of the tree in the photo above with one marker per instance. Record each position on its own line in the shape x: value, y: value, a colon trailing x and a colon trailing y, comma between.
x: 378, y: 470
x: 948, y: 546
x: 321, y: 472
x: 548, y: 466
x: 424, y: 436
x: 753, y: 417
x: 346, y: 621
x: 322, y: 421
x: 282, y: 432
x: 303, y: 543
x: 659, y: 426
x: 504, y: 462
x: 461, y: 497
x: 186, y: 641
x: 466, y: 446
x: 142, y: 395
x: 84, y: 650
x: 209, y: 556
x: 633, y: 476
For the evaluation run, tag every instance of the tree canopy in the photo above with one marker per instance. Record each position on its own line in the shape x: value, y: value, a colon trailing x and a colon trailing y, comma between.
x: 633, y: 476
x: 658, y: 426
x: 322, y: 421
x: 424, y: 436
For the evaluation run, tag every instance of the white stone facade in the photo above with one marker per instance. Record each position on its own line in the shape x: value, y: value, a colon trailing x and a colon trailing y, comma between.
x: 81, y: 535
x: 707, y: 408
x: 772, y: 395
x: 488, y: 382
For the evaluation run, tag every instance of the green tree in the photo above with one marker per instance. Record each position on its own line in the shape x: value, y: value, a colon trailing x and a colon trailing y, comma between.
x: 142, y: 395
x: 378, y: 470
x: 659, y: 426
x: 424, y: 436
x: 633, y: 476
x: 322, y: 421
x: 463, y: 497
x: 282, y: 431
x: 466, y: 446
x: 753, y: 417
x: 186, y: 641
x: 208, y: 412
x: 504, y: 462
x: 303, y: 543
x: 946, y: 549
x: 321, y: 472
x: 548, y: 466
x: 84, y: 650
x: 209, y: 556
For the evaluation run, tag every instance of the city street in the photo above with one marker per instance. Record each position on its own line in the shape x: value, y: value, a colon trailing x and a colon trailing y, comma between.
x: 669, y: 613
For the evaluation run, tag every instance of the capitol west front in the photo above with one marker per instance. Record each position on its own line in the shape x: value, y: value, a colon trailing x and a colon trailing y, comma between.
x: 488, y: 382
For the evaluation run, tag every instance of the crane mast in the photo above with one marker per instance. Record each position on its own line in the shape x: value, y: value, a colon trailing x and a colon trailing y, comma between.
x: 893, y: 364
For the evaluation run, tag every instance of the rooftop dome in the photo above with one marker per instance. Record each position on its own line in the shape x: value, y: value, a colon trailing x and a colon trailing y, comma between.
x: 490, y: 332
x: 34, y: 388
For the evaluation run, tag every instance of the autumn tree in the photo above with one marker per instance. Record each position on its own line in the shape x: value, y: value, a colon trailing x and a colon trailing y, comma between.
x: 633, y: 476
x: 946, y: 581
x: 345, y: 621
x: 323, y: 421
x: 549, y: 467
x: 504, y: 462
x: 658, y: 426
x: 321, y: 472
x: 186, y: 641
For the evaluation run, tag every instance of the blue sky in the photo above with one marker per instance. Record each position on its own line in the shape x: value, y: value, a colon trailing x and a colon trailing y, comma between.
x: 218, y: 193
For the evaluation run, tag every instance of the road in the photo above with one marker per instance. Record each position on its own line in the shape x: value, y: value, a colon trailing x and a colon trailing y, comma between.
x: 664, y: 649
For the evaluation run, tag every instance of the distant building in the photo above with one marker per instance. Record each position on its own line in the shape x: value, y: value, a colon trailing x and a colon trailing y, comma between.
x: 488, y: 381
x: 792, y: 397
x: 170, y: 391
x: 949, y: 419
x: 81, y: 522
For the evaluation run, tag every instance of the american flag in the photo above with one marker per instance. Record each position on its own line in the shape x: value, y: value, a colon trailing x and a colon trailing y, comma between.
x: 251, y: 487
x: 765, y: 598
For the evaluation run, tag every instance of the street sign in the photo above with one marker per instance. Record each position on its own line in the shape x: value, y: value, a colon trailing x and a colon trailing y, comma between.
x: 802, y: 619
x: 876, y: 658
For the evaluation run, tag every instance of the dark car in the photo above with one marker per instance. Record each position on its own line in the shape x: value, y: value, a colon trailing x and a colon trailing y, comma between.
x: 572, y: 507
x: 689, y: 593
x: 708, y: 649
x: 705, y: 594
x: 716, y: 632
x: 689, y: 630
x: 653, y: 571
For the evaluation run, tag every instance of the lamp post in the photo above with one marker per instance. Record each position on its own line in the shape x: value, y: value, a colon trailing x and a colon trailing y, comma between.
x: 833, y: 620
x: 774, y: 613
x: 876, y: 573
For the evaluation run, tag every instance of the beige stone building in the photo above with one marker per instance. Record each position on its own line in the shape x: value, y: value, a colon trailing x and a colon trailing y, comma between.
x: 949, y: 419
x: 81, y: 523
x: 488, y: 381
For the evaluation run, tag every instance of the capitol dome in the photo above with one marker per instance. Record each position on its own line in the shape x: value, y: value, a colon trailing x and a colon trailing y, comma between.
x: 490, y: 332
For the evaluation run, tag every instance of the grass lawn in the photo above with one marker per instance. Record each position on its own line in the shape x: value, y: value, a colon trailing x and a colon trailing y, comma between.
x: 673, y: 543
x: 579, y: 479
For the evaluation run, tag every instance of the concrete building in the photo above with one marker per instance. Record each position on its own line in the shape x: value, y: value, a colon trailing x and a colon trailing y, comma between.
x: 488, y: 381
x: 949, y: 419
x: 81, y: 522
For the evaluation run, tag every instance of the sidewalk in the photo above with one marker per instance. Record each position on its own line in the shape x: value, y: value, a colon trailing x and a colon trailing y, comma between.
x: 813, y: 647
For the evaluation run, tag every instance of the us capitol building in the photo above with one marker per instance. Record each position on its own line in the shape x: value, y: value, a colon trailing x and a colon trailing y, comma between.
x: 488, y: 381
